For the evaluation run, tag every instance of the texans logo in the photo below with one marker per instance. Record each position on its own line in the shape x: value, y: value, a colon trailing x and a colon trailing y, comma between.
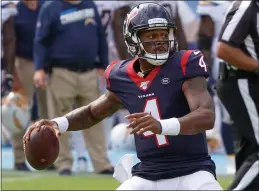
x: 132, y: 15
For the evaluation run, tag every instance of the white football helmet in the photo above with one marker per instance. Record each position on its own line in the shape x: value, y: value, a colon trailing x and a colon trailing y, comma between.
x: 16, y: 113
x: 121, y: 139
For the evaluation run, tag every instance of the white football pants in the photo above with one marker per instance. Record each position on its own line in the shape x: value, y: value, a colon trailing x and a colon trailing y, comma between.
x: 201, y: 180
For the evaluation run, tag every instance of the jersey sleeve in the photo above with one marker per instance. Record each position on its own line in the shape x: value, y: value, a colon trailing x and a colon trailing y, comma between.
x: 108, y: 75
x: 238, y: 23
x: 192, y: 64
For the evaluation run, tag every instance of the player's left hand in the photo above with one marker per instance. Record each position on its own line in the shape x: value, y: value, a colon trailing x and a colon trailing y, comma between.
x: 142, y: 122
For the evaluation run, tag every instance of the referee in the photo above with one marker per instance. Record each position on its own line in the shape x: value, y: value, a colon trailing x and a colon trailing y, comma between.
x: 238, y: 87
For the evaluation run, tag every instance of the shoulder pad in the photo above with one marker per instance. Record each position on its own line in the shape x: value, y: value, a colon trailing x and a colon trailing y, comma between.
x: 108, y: 71
x: 192, y: 64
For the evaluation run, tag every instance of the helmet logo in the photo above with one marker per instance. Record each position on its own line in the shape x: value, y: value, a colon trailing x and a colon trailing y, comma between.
x: 131, y: 15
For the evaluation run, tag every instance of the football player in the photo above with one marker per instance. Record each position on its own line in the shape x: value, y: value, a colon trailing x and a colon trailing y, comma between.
x: 165, y: 91
x: 15, y: 115
x: 212, y: 16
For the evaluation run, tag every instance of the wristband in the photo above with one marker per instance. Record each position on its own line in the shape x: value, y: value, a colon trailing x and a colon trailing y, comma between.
x: 62, y: 124
x: 170, y: 126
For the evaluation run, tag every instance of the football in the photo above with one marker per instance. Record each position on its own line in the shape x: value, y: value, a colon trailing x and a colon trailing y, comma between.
x: 42, y: 149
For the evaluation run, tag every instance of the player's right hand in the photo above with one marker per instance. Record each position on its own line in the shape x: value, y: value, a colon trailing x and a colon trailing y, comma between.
x: 40, y: 79
x: 41, y: 124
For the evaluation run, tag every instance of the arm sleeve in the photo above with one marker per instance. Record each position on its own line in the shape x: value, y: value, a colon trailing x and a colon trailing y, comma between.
x: 41, y: 40
x: 192, y: 64
x: 108, y: 75
x: 237, y: 23
x: 103, y: 45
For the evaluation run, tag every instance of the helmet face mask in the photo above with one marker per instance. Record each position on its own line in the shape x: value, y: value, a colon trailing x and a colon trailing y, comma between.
x: 150, y: 17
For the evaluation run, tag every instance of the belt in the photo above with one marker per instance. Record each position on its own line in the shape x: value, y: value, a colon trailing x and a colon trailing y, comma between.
x: 72, y: 66
x: 238, y: 74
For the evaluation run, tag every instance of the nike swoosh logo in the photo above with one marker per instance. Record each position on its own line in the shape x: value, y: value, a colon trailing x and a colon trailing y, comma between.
x: 196, y: 52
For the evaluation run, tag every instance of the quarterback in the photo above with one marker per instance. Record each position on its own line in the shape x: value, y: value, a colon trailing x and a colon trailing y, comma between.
x: 165, y: 92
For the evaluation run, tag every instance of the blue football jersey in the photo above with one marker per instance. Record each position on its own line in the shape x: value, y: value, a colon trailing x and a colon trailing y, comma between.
x: 160, y: 93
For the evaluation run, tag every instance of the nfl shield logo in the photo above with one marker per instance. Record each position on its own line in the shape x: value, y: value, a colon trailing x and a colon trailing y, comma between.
x: 143, y: 85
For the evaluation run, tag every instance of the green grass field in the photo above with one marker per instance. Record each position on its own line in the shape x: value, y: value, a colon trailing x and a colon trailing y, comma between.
x: 12, y: 180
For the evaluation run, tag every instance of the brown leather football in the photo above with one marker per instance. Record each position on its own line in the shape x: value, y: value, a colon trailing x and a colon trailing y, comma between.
x: 42, y: 149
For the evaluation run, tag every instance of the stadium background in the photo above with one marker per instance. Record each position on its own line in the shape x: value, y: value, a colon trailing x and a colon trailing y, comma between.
x: 14, y: 180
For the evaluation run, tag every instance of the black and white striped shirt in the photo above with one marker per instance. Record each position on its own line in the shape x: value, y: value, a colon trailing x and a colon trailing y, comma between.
x: 241, y: 27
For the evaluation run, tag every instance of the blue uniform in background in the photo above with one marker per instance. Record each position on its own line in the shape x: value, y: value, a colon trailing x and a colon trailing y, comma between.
x: 163, y: 157
x: 25, y: 26
x: 59, y: 21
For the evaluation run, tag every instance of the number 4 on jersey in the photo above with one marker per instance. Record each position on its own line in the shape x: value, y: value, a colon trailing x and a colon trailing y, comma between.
x: 151, y: 106
x: 203, y: 64
x: 201, y: 61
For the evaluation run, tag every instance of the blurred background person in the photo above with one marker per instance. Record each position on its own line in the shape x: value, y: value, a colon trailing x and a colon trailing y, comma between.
x: 9, y: 10
x: 70, y: 34
x: 25, y: 26
x: 238, y: 87
x: 211, y: 20
x: 9, y: 76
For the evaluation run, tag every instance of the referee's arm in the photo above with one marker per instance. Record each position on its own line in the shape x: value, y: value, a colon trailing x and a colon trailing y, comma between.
x: 236, y: 28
